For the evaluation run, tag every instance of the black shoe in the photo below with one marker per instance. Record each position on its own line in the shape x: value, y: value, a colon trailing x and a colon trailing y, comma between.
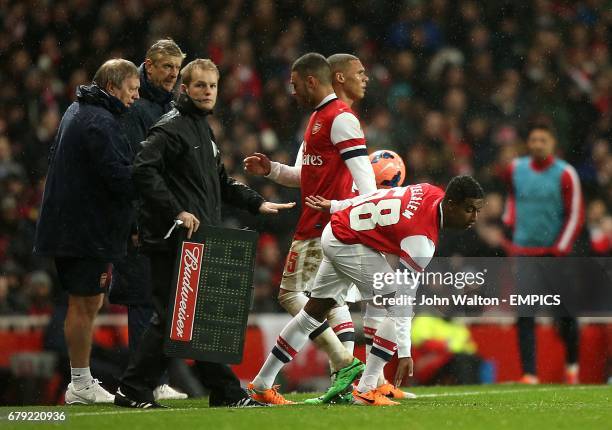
x: 125, y: 402
x: 247, y: 402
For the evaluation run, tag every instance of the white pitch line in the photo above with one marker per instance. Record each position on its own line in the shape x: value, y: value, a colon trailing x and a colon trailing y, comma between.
x: 129, y: 411
x: 524, y: 390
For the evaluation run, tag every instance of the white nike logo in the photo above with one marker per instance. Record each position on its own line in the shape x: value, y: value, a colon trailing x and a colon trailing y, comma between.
x: 385, y: 168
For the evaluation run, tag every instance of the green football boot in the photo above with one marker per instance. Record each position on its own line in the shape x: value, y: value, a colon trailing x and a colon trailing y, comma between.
x: 343, y: 399
x: 340, y: 399
x: 344, y: 379
x: 314, y: 401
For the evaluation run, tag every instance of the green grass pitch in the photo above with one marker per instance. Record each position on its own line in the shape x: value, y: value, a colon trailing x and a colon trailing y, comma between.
x: 467, y: 407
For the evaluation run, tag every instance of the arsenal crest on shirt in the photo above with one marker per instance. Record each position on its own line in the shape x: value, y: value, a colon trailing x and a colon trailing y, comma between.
x: 316, y: 127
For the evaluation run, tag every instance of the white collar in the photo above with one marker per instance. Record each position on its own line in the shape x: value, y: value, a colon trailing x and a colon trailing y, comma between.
x: 327, y: 98
x: 441, y: 216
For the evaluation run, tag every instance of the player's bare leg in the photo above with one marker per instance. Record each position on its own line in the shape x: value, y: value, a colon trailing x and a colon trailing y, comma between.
x: 78, y: 327
x: 78, y: 330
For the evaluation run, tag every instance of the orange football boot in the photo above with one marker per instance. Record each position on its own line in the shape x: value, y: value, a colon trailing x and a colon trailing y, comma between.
x: 372, y: 398
x: 571, y: 374
x: 270, y: 396
x: 387, y: 389
x: 529, y: 379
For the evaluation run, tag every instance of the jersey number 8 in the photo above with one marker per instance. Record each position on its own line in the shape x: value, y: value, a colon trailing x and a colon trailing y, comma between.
x: 369, y: 215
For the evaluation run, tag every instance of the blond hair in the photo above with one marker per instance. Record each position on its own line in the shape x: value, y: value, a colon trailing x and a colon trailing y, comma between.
x: 200, y: 63
x: 339, y: 62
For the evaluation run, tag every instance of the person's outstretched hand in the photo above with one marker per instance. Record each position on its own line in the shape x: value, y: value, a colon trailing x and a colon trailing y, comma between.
x: 318, y: 203
x: 273, y: 208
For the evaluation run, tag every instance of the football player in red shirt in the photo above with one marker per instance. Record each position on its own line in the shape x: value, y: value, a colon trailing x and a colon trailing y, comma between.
x: 403, y: 221
x: 331, y: 158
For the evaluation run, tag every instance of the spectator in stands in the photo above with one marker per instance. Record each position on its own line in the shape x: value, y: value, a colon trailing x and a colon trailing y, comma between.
x: 16, y: 300
x: 38, y: 289
x: 486, y: 239
x: 5, y: 306
x: 599, y: 225
x: 86, y: 209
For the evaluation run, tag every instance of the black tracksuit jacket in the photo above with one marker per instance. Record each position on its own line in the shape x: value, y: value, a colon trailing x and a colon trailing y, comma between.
x: 178, y: 169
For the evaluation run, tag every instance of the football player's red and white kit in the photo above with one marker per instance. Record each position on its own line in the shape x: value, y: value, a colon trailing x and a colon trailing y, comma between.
x: 333, y: 155
x: 403, y: 221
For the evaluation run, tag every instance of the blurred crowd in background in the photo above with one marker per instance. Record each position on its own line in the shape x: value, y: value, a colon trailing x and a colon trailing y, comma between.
x: 453, y: 85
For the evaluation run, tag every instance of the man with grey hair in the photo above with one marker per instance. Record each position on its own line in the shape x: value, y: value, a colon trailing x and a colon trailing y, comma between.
x: 86, y: 208
x: 131, y: 280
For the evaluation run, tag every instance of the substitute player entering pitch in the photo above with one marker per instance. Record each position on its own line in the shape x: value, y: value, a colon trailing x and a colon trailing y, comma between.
x: 402, y: 221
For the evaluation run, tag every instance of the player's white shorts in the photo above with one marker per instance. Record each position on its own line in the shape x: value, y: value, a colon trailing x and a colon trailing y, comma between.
x: 353, y: 295
x: 302, y: 264
x: 301, y: 267
x: 345, y: 264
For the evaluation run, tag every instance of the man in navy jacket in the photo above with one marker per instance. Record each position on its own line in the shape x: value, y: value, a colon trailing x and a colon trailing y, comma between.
x: 86, y: 210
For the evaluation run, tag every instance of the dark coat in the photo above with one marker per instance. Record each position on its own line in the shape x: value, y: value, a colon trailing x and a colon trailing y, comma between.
x: 86, y: 205
x: 131, y: 282
x: 179, y: 169
x: 146, y: 111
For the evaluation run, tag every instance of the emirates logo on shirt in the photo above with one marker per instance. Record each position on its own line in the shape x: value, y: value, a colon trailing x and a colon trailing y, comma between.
x: 186, y: 292
x: 312, y: 160
x: 316, y: 127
